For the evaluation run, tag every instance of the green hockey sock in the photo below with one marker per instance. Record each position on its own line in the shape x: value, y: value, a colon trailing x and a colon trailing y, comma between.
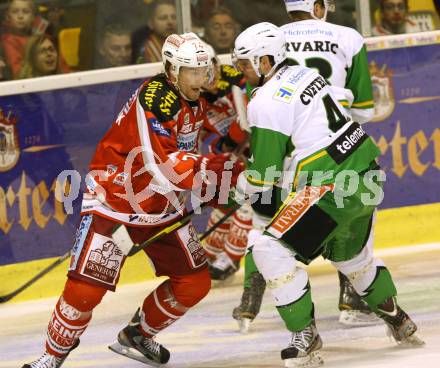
x: 381, y: 288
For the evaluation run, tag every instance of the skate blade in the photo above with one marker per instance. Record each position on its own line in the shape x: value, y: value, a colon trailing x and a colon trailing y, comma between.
x: 314, y: 359
x: 132, y: 354
x: 358, y: 319
x: 412, y: 341
x: 244, y: 325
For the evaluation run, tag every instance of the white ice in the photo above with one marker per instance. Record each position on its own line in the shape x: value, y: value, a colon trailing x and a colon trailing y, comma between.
x: 208, y: 337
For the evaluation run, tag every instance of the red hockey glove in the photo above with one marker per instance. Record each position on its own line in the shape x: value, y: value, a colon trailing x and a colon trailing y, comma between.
x: 224, y: 167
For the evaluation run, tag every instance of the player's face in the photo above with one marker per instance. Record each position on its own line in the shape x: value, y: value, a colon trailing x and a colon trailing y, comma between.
x: 394, y: 12
x: 163, y: 23
x: 21, y: 15
x: 191, y: 81
x: 46, y: 58
x: 245, y: 66
x: 116, y: 49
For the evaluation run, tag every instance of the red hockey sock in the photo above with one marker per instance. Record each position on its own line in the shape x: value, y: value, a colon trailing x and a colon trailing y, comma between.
x: 215, y: 242
x: 65, y: 328
x: 236, y: 241
x: 171, y: 300
x: 71, y: 316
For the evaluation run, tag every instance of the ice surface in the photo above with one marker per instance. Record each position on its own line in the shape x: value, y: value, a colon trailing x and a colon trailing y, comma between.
x: 207, y: 337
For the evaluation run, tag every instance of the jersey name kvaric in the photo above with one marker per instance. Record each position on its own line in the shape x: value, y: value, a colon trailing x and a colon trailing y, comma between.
x: 339, y: 55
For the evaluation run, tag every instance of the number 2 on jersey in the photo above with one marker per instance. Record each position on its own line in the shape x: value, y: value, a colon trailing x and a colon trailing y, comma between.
x: 321, y: 65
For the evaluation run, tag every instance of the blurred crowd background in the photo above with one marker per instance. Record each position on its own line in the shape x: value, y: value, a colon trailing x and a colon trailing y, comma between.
x: 41, y: 37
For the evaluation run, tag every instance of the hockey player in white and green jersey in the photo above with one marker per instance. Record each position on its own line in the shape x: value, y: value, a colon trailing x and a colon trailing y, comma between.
x: 303, y: 142
x: 339, y: 55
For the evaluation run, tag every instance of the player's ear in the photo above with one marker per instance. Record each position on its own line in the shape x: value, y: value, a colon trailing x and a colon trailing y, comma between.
x: 265, y: 65
x: 318, y: 10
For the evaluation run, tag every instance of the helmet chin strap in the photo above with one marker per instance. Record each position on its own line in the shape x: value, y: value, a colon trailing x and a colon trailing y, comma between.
x: 263, y: 76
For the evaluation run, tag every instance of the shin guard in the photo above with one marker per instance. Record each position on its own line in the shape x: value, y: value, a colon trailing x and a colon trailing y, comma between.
x: 215, y: 242
x: 66, y: 325
x: 237, y: 238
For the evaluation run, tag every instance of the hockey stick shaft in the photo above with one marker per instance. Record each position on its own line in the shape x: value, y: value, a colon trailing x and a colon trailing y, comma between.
x: 180, y: 224
x: 39, y: 275
x: 228, y: 214
x: 58, y: 261
x: 167, y: 230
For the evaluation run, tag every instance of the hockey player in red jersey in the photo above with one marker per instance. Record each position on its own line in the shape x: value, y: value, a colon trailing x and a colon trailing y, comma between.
x: 139, y: 174
x: 227, y: 244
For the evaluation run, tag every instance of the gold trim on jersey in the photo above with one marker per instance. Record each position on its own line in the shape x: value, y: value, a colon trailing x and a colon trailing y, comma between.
x: 307, y: 161
x: 363, y: 104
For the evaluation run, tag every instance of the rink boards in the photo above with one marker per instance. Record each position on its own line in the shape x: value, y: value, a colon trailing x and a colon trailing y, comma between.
x: 55, y: 126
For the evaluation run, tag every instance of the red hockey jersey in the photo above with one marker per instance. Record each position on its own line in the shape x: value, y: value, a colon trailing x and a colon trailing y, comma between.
x: 221, y: 112
x: 146, y: 159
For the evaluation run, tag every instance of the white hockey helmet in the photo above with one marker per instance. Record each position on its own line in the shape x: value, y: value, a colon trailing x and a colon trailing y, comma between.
x: 260, y: 40
x: 186, y: 49
x: 211, y: 52
x: 308, y: 6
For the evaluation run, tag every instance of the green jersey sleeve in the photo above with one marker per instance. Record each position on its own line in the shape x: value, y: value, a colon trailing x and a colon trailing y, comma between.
x: 268, y: 150
x: 359, y: 81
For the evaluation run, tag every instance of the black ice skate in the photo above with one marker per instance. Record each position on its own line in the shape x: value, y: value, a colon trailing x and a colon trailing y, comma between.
x: 303, y: 349
x: 250, y: 303
x: 354, y: 310
x: 49, y: 361
x: 136, y: 319
x: 400, y: 325
x: 132, y: 344
x: 223, y: 267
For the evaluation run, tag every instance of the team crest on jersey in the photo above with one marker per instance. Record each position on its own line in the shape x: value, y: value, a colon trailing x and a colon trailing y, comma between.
x: 284, y: 94
x: 9, y: 147
x: 190, y: 243
x: 111, y: 170
x: 120, y: 179
x: 103, y: 259
x: 384, y: 101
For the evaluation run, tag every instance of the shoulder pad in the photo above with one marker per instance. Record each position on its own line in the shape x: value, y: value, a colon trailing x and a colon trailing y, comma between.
x: 159, y: 97
x: 229, y: 77
x: 230, y: 74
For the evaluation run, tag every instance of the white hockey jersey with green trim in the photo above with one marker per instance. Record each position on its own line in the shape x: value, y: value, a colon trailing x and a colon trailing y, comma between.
x: 338, y: 53
x: 297, y: 126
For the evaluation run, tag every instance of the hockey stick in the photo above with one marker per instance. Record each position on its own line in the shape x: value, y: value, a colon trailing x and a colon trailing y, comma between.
x: 228, y: 214
x: 129, y: 248
x: 39, y: 275
x: 175, y: 226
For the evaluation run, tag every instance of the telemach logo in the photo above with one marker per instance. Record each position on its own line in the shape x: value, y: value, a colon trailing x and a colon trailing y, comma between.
x: 350, y: 141
x: 347, y: 143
